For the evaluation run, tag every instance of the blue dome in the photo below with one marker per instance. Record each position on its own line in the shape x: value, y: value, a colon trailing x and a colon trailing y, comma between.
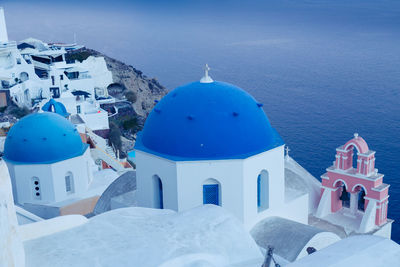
x: 201, y: 121
x: 56, y: 107
x: 42, y: 138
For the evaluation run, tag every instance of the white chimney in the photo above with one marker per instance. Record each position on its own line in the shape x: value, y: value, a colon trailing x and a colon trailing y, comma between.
x: 3, y: 27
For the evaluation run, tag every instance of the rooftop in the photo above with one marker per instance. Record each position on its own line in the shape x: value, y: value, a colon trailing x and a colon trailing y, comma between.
x: 204, y: 235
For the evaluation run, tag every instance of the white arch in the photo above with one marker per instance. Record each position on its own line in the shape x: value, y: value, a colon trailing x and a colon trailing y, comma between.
x: 363, y: 187
x: 354, y: 145
x: 211, y: 181
x: 340, y: 180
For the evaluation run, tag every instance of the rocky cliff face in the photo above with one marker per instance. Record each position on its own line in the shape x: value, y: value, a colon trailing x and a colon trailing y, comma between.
x: 128, y: 79
x: 136, y: 92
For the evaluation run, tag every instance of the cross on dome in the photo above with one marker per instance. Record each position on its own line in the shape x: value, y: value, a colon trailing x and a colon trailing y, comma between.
x: 287, y: 149
x: 206, y: 78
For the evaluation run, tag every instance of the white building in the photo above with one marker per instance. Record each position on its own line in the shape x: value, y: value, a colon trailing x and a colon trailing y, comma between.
x: 47, y: 159
x: 37, y: 71
x: 82, y: 111
x: 51, y: 168
x: 211, y: 143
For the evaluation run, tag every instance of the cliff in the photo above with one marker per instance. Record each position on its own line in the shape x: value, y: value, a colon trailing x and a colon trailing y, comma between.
x: 129, y: 83
x: 137, y: 92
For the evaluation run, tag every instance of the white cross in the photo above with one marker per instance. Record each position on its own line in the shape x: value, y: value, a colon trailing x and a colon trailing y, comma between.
x: 206, y: 69
x: 206, y: 78
x: 287, y: 149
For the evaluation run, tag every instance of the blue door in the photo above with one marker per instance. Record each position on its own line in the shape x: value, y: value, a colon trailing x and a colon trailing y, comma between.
x: 211, y: 194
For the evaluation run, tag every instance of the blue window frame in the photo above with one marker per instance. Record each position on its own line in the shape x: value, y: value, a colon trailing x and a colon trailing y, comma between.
x: 211, y: 194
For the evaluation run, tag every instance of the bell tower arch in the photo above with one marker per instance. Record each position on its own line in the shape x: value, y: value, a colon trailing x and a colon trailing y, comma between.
x: 368, y: 194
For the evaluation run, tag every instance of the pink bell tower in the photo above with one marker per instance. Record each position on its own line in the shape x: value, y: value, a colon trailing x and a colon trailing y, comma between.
x: 354, y: 189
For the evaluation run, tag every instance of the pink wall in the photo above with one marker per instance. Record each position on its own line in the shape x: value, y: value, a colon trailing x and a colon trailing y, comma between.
x: 352, y: 178
x: 336, y: 203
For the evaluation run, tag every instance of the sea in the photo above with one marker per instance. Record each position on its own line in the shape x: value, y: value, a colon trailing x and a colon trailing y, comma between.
x: 324, y: 70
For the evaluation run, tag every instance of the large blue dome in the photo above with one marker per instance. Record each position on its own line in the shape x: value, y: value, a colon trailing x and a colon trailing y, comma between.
x: 201, y: 121
x: 42, y: 138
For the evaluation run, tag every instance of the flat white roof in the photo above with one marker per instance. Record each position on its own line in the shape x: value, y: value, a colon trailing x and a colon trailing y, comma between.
x: 52, y: 53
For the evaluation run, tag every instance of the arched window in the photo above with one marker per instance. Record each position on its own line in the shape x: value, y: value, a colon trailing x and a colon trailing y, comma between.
x: 345, y: 197
x: 360, y: 197
x: 23, y: 76
x: 158, y: 192
x: 263, y: 191
x: 211, y: 192
x: 27, y: 95
x: 69, y: 183
x: 355, y: 157
x: 36, y: 192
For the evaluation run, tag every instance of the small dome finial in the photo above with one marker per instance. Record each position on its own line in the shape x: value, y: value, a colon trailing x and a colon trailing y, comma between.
x: 206, y: 78
x: 355, y: 135
x: 287, y: 149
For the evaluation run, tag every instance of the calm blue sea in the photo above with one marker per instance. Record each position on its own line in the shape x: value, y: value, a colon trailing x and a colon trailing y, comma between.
x: 323, y: 69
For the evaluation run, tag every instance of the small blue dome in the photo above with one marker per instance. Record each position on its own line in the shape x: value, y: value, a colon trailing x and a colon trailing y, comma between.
x: 42, y: 138
x: 56, y: 107
x: 201, y: 121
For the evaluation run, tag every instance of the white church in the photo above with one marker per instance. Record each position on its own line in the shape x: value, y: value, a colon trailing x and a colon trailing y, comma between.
x: 47, y: 166
x: 210, y: 142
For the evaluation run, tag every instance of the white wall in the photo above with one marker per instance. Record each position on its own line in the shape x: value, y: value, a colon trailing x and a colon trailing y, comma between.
x: 11, y: 247
x: 11, y: 70
x: 193, y: 174
x: 52, y: 179
x: 296, y: 210
x: 183, y: 185
x: 21, y: 176
x: 97, y: 67
x: 97, y: 120
x: 271, y: 161
x: 68, y: 100
x: 79, y: 168
x: 3, y: 27
x: 82, y: 84
x: 90, y: 114
x: 148, y: 165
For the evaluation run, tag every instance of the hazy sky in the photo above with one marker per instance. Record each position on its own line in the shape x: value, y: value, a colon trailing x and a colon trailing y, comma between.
x: 156, y: 35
